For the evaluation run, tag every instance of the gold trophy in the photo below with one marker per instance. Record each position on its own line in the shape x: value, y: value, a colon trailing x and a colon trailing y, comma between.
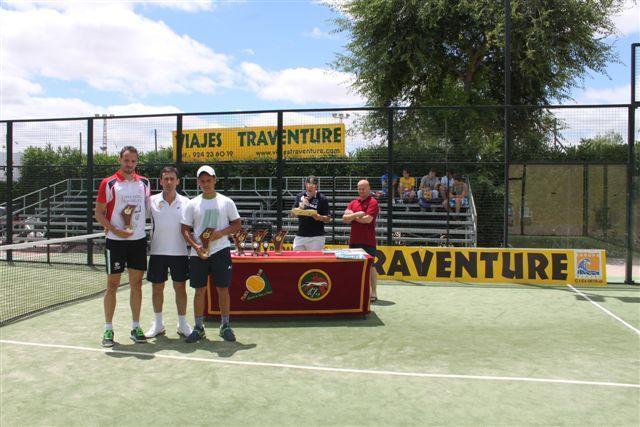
x: 238, y: 240
x: 127, y: 214
x: 258, y: 237
x: 205, y: 238
x: 278, y: 241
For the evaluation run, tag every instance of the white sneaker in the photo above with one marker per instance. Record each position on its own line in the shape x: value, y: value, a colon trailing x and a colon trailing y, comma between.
x: 184, y: 330
x: 155, y: 330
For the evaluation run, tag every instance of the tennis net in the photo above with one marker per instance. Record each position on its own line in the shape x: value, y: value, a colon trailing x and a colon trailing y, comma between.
x: 36, y: 276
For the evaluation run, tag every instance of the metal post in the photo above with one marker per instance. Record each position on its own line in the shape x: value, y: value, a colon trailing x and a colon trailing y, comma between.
x: 333, y: 208
x: 279, y: 172
x: 605, y: 200
x: 631, y: 165
x: 522, y: 198
x: 179, y: 141
x: 48, y: 206
x: 9, y: 213
x: 507, y: 118
x: 155, y: 139
x: 389, y: 177
x: 80, y: 143
x: 585, y: 199
x: 89, y: 179
x: 628, y: 275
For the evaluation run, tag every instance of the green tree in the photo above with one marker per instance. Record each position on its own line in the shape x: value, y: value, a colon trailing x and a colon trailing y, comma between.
x: 415, y: 53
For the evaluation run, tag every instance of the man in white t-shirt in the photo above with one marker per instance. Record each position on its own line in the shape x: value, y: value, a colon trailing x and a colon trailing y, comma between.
x: 216, y: 216
x: 168, y: 251
x: 121, y: 208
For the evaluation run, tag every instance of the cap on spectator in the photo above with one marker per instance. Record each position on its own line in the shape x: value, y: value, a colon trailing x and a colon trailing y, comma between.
x: 206, y: 169
x: 311, y: 180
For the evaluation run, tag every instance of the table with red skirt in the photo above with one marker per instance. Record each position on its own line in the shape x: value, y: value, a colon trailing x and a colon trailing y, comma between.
x: 296, y: 283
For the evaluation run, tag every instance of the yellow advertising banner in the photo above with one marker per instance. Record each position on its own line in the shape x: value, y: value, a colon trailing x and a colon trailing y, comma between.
x: 260, y: 143
x: 492, y: 265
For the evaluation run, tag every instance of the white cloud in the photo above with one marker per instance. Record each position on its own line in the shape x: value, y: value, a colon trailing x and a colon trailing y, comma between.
x: 111, y: 48
x: 248, y: 51
x: 184, y: 5
x: 302, y: 85
x: 612, y: 95
x: 628, y: 21
x: 317, y: 33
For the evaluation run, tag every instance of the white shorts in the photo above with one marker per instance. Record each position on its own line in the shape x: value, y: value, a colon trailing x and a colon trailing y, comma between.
x: 315, y: 243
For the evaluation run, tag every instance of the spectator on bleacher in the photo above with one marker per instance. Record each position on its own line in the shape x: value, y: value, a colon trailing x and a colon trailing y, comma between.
x: 361, y: 213
x: 429, y: 186
x: 445, y: 184
x: 310, y: 236
x: 407, y: 187
x: 458, y: 195
x: 384, y: 179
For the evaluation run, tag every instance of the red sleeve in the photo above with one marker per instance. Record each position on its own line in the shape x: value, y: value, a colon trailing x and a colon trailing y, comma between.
x: 102, y: 192
x: 350, y: 205
x: 373, y: 209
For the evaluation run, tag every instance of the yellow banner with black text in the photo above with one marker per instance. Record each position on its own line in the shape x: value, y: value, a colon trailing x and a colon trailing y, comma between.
x: 491, y: 265
x: 260, y: 143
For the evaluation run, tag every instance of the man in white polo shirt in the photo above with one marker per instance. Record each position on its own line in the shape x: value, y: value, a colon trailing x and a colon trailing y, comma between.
x: 168, y: 251
x: 121, y: 208
x: 215, y: 215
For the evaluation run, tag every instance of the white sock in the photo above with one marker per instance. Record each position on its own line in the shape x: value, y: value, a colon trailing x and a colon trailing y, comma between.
x: 134, y: 324
x: 159, y: 319
x: 182, y: 320
x: 108, y: 326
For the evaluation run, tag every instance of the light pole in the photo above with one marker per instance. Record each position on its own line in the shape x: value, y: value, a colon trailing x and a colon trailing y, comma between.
x: 340, y: 116
x: 104, y: 117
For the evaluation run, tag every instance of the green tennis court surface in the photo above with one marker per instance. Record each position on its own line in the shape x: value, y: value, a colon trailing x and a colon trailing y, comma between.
x: 452, y: 354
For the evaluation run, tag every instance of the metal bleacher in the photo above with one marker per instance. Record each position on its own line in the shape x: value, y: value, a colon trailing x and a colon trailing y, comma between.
x: 60, y: 210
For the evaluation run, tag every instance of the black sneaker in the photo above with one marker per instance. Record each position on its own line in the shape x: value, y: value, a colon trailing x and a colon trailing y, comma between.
x: 196, y: 335
x: 227, y: 333
x: 137, y: 335
x: 107, y: 338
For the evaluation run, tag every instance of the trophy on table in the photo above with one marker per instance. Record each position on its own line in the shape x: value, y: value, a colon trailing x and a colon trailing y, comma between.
x: 205, y: 238
x: 278, y: 241
x: 238, y: 240
x: 127, y: 214
x: 258, y: 241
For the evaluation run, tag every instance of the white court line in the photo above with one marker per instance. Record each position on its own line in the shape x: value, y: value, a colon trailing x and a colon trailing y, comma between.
x: 637, y: 331
x: 328, y: 369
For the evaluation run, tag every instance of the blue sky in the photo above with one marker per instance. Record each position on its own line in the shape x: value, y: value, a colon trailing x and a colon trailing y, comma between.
x: 77, y: 58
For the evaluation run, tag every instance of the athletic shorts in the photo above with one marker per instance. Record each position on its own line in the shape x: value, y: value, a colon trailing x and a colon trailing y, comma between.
x: 121, y: 254
x: 159, y: 265
x: 464, y: 203
x: 315, y: 243
x: 218, y: 265
x: 371, y: 250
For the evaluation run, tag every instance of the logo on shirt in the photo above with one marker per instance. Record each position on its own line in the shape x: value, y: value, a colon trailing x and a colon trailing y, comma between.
x: 314, y: 285
x: 211, y: 218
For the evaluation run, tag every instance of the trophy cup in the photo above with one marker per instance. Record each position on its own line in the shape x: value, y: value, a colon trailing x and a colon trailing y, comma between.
x: 205, y: 238
x: 238, y: 240
x: 127, y: 214
x: 258, y: 237
x: 278, y: 241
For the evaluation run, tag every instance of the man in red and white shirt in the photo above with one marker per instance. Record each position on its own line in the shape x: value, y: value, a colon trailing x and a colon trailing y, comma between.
x: 361, y: 213
x: 124, y: 194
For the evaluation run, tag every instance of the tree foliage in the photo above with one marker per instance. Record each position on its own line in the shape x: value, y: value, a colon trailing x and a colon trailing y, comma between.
x: 415, y: 53
x: 435, y: 52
